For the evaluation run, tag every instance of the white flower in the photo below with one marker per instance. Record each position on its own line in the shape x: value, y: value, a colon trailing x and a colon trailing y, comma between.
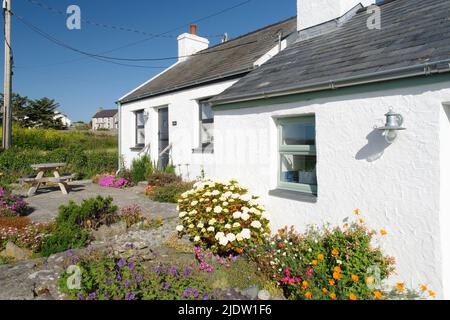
x: 231, y: 237
x: 211, y: 229
x: 223, y: 241
x: 194, y: 203
x: 245, y: 197
x: 212, y: 222
x: 208, y: 210
x: 225, y: 204
x: 197, y: 239
x: 220, y: 235
x: 245, y: 210
x: 235, y: 196
x: 218, y: 209
x: 180, y: 228
x: 339, y: 261
x: 236, y: 225
x: 182, y: 214
x: 237, y: 215
x: 191, y: 226
x: 200, y: 225
x: 246, y: 234
x: 245, y: 216
x: 178, y: 208
x: 228, y: 226
x: 239, y: 237
x: 215, y: 193
x: 193, y: 213
x: 256, y: 224
x: 228, y: 194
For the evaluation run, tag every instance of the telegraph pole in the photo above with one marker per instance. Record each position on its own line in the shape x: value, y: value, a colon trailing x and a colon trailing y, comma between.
x: 7, y: 92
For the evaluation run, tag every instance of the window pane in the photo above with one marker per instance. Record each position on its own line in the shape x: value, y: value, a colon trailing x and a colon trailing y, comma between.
x: 140, y: 121
x: 298, y: 169
x: 206, y: 111
x: 302, y: 133
x: 207, y: 133
x: 140, y: 136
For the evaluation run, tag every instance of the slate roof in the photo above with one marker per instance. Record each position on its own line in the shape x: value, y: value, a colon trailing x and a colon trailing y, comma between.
x: 413, y: 32
x: 108, y: 113
x: 230, y: 59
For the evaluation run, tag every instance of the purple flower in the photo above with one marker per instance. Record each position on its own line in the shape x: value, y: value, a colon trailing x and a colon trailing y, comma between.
x: 131, y: 296
x: 166, y: 286
x: 119, y: 277
x: 187, y: 293
x: 131, y: 265
x: 69, y: 253
x: 80, y: 296
x: 205, y: 296
x: 74, y: 260
x: 92, y: 296
x: 127, y: 284
x: 121, y: 263
x: 173, y: 271
x: 187, y: 272
x: 109, y: 282
x: 138, y: 279
x: 196, y: 293
x: 159, y: 269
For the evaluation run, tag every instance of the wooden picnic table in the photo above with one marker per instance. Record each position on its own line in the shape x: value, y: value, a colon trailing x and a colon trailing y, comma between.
x: 40, y: 179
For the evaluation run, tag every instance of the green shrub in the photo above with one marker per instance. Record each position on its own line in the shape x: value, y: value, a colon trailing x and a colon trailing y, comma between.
x: 141, y: 169
x: 66, y: 236
x: 170, y: 193
x: 162, y: 179
x: 111, y: 278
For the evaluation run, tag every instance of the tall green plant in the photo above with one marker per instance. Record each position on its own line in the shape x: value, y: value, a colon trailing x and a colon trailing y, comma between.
x: 141, y: 169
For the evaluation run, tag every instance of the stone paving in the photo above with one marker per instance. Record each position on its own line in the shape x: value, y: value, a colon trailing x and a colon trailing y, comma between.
x: 46, y: 202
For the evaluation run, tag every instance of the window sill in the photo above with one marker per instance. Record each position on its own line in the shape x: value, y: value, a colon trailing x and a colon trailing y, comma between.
x: 293, y: 195
x: 137, y: 148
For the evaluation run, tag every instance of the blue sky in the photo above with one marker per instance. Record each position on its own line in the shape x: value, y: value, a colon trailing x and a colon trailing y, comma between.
x: 80, y: 84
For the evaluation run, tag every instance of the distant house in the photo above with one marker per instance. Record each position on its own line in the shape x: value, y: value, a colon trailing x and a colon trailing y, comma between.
x: 64, y: 119
x: 105, y: 120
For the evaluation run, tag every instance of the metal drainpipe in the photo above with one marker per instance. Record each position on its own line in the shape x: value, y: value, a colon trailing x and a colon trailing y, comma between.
x: 120, y: 137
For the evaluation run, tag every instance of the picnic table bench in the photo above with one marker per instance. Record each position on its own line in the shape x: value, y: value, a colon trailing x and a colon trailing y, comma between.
x: 38, y: 179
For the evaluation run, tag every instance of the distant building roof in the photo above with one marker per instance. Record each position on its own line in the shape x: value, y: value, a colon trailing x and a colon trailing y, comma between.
x: 229, y: 59
x: 105, y: 114
x: 414, y: 34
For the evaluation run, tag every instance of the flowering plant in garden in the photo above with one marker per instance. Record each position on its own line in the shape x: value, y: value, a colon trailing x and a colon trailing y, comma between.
x: 115, y: 278
x: 329, y: 263
x: 111, y: 181
x: 209, y: 262
x: 12, y: 203
x: 23, y: 233
x: 133, y: 216
x: 222, y: 216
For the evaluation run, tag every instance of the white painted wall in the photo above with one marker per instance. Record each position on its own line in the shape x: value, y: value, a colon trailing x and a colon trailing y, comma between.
x: 396, y: 187
x: 184, y: 109
x: 189, y: 44
x: 313, y: 12
x: 444, y: 194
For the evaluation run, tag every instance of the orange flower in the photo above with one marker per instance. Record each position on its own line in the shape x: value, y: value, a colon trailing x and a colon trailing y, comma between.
x: 337, y: 269
x: 357, y: 212
x: 353, y: 297
x: 334, y: 252
x: 308, y: 295
x: 378, y: 295
x: 324, y: 290
x: 337, y: 275
x: 355, y: 277
x: 332, y: 282
x: 432, y: 293
x: 321, y: 257
x: 400, y: 286
x: 315, y: 262
x: 423, y: 287
x: 370, y: 280
x: 383, y: 232
x: 333, y: 296
x: 305, y: 284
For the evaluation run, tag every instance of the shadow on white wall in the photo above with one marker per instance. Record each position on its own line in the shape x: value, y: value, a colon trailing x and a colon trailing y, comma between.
x: 375, y: 147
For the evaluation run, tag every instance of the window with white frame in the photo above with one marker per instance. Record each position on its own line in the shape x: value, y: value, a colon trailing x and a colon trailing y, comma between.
x: 206, y: 125
x: 297, y: 154
x: 140, y: 128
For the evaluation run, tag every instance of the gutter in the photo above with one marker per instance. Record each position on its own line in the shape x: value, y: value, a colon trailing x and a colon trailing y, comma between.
x: 426, y: 69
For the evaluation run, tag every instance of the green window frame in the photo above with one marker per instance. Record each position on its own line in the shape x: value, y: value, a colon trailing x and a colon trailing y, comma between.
x: 286, y: 150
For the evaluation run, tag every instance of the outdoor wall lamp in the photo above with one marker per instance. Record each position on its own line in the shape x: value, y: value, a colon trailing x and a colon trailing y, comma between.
x: 394, y: 122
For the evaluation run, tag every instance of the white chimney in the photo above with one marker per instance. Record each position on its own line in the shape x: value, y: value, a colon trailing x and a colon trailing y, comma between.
x: 314, y: 12
x: 190, y: 43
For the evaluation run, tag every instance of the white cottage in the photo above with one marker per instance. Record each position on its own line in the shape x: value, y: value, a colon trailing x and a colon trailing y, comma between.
x: 307, y: 130
x: 169, y: 117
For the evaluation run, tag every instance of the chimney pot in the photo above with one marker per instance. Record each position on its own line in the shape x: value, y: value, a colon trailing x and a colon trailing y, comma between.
x: 193, y: 29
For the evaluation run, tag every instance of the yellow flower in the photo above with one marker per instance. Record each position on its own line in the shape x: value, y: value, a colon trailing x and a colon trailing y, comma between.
x: 305, y: 284
x: 337, y: 275
x: 353, y: 297
x: 432, y: 293
x: 315, y: 262
x: 357, y: 212
x: 324, y: 290
x: 361, y: 221
x: 308, y: 295
x: 355, y: 277
x: 321, y: 257
x: 334, y: 252
x: 333, y: 296
x: 423, y: 287
x: 346, y: 225
x: 383, y: 232
x: 400, y: 286
x: 332, y: 282
x: 337, y: 269
x: 370, y: 280
x: 378, y: 295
